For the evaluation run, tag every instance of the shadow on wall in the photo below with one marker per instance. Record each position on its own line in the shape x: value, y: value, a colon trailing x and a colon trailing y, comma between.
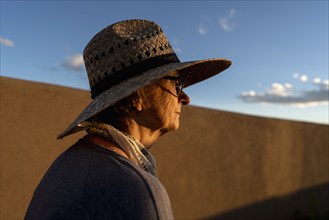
x: 307, y: 204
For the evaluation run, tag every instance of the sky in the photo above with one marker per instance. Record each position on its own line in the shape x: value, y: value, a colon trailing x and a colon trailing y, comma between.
x: 278, y: 49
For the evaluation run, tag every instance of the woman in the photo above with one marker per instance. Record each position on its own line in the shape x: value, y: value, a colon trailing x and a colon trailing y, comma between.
x: 137, y: 86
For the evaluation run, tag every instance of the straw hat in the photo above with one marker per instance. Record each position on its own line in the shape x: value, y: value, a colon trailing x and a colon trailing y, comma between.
x: 129, y: 55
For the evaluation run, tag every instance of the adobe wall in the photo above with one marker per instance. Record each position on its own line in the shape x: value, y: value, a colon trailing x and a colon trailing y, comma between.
x: 218, y: 165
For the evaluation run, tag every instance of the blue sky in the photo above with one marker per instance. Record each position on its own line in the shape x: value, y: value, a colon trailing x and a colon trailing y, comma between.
x: 279, y: 49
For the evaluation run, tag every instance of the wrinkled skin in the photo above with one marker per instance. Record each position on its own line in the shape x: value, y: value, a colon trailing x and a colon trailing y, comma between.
x: 161, y: 108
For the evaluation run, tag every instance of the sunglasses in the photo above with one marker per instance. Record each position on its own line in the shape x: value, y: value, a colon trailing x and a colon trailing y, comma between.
x: 179, y: 83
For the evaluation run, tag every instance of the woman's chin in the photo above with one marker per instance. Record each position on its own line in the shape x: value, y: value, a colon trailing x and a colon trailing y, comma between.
x: 173, y: 127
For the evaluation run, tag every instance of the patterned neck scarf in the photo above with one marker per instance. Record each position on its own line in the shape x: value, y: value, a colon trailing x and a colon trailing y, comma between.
x: 134, y: 150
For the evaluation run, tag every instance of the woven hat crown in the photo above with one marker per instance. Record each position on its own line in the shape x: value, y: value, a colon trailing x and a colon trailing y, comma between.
x: 118, y: 48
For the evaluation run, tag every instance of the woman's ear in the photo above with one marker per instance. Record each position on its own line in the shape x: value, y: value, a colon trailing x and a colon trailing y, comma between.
x: 138, y: 106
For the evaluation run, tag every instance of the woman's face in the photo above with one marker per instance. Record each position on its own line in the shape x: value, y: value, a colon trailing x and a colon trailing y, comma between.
x: 162, y: 107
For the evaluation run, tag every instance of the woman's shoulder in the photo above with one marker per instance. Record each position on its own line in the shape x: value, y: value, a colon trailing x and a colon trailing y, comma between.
x: 97, y: 164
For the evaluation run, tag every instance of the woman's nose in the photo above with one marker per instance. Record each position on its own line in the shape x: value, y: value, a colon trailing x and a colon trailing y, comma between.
x: 184, y: 99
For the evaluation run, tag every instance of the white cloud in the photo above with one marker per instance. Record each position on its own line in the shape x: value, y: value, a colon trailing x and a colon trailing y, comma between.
x: 202, y: 29
x: 227, y: 23
x: 74, y: 62
x: 309, y: 104
x: 224, y: 23
x: 288, y: 85
x: 286, y: 93
x: 278, y: 89
x: 249, y: 93
x: 303, y: 78
x: 317, y: 80
x: 6, y: 42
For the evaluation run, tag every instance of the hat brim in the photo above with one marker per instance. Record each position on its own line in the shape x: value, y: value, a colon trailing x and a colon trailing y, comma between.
x: 192, y: 72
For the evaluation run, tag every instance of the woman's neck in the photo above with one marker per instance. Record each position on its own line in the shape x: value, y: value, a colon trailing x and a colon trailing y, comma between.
x: 142, y: 134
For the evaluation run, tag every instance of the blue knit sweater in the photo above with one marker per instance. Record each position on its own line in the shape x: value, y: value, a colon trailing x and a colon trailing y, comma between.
x: 91, y: 182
